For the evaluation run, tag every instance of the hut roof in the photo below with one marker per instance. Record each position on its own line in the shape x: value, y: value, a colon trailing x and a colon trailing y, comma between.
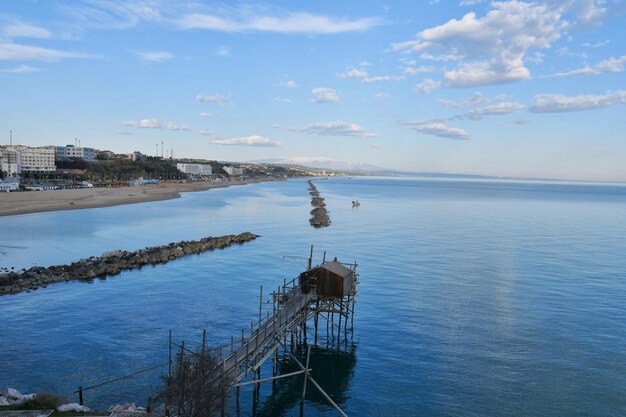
x: 336, y: 268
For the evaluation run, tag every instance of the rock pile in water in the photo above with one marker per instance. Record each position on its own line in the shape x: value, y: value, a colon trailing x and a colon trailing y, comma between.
x: 112, y: 263
x: 319, y: 213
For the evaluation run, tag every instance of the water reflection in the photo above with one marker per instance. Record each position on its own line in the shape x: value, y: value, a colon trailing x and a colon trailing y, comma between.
x: 332, y: 368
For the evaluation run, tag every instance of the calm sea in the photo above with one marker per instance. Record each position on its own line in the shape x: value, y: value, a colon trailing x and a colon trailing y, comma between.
x: 477, y: 298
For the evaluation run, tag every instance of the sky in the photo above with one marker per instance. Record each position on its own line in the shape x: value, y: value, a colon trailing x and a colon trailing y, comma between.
x: 504, y: 88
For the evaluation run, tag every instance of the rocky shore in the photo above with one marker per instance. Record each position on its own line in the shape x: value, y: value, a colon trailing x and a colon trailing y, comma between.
x: 319, y: 214
x: 112, y: 263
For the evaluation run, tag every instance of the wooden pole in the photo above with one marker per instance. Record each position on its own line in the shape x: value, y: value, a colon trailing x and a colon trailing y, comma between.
x: 181, y: 397
x: 345, y: 324
x: 311, y: 258
x: 169, y: 377
x: 306, y: 376
x: 203, y: 343
x: 341, y: 311
x: 317, y: 317
x: 260, y: 303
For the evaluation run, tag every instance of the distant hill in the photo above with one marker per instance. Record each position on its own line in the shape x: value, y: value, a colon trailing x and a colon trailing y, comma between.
x: 322, y: 163
x: 369, y: 169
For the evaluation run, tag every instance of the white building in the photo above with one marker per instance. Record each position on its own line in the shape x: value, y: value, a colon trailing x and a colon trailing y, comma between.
x: 9, y: 184
x: 202, y: 170
x: 10, y: 161
x: 136, y: 156
x: 231, y: 170
x: 39, y: 159
x: 63, y: 153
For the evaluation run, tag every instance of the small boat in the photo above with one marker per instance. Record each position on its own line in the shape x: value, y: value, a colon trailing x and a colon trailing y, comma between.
x: 356, y: 203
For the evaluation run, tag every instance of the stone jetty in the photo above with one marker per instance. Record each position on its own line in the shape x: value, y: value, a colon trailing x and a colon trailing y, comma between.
x: 112, y: 263
x: 319, y: 214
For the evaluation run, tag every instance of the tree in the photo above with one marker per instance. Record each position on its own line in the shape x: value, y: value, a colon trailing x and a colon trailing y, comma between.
x: 197, y: 386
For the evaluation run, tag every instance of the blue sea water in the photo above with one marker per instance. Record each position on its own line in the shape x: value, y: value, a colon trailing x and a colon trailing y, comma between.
x: 475, y: 298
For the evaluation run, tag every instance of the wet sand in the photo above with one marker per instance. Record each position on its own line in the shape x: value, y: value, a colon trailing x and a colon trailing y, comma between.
x: 25, y: 202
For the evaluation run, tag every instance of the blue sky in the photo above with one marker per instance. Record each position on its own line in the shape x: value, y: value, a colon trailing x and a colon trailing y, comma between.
x: 523, y: 89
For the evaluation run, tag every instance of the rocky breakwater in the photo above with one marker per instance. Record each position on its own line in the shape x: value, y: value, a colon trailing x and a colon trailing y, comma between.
x: 112, y: 263
x: 319, y: 214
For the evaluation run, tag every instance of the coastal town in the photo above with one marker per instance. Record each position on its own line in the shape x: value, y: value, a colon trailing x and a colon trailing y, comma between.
x: 26, y: 168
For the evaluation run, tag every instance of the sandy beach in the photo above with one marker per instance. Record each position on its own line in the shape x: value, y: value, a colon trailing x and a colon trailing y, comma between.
x: 52, y: 200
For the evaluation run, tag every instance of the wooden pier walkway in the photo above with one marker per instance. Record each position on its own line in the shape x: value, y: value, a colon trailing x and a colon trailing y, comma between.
x: 249, y: 353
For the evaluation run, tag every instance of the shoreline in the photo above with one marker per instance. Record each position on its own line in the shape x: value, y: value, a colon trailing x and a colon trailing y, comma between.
x: 30, y: 202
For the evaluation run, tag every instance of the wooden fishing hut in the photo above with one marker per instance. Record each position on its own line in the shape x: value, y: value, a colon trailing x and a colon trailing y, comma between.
x: 334, y: 287
x: 329, y: 280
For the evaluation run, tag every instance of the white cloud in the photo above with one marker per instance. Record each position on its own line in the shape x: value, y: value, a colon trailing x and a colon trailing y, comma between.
x: 251, y: 19
x: 204, y: 132
x: 470, y: 2
x: 286, y: 84
x: 253, y: 140
x: 325, y: 95
x: 418, y: 70
x: 364, y: 64
x: 143, y: 123
x: 448, y: 57
x: 111, y: 14
x: 579, y: 71
x: 10, y: 51
x: 25, y: 30
x: 522, y: 121
x: 485, y: 73
x: 381, y: 96
x: 224, y: 51
x: 207, y: 114
x: 362, y: 75
x: 612, y: 64
x: 495, y: 109
x: 153, y: 124
x: 439, y: 129
x: 427, y: 85
x: 336, y: 128
x: 495, y: 45
x: 376, y: 78
x: 476, y: 99
x: 218, y: 99
x: 155, y: 56
x: 557, y: 103
x: 353, y: 73
x: 189, y: 15
x: 585, y: 13
x: 281, y: 100
x: 536, y: 57
x: 597, y: 44
x: 174, y: 126
x: 22, y: 69
x: 608, y: 65
x: 379, y: 78
x: 409, y: 46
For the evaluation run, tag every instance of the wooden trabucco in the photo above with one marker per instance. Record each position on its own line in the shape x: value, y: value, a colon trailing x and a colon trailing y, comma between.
x: 330, y: 279
x: 327, y: 291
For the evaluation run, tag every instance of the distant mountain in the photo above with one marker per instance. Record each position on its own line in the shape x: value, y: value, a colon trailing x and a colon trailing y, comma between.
x: 351, y: 167
x: 322, y: 163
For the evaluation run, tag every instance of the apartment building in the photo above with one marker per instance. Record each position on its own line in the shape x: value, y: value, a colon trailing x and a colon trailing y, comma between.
x: 203, y: 170
x: 69, y: 152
